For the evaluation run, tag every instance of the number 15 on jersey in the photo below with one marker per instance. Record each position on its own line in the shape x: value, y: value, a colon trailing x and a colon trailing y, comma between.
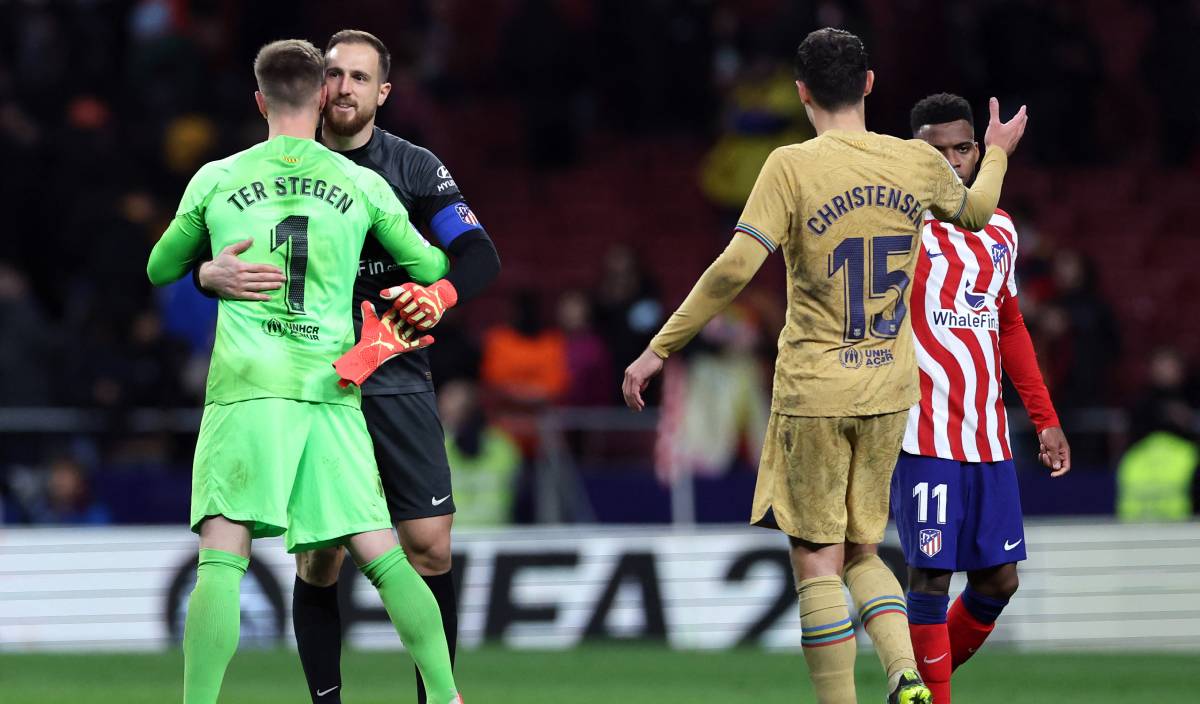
x: 851, y: 257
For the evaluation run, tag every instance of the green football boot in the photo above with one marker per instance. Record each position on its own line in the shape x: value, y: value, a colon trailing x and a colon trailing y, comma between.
x: 910, y: 690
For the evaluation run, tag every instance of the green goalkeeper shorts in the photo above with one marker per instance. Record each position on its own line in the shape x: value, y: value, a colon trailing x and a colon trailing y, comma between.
x: 278, y: 465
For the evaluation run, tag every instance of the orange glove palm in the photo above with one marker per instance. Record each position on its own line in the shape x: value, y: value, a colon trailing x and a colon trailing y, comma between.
x: 381, y: 339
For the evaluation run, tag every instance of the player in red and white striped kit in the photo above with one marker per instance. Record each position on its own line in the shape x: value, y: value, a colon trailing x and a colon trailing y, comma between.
x: 954, y: 491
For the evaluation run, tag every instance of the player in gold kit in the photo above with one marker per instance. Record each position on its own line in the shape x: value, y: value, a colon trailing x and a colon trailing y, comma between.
x: 846, y: 208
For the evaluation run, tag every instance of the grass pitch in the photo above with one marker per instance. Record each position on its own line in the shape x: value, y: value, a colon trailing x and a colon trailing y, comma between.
x: 600, y: 674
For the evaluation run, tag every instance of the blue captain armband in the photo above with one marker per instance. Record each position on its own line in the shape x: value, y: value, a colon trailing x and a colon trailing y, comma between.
x: 452, y: 221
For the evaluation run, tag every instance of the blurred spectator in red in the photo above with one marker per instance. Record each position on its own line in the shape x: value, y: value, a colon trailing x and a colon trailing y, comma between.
x: 26, y: 343
x: 484, y: 459
x: 523, y: 361
x: 524, y: 369
x: 590, y: 377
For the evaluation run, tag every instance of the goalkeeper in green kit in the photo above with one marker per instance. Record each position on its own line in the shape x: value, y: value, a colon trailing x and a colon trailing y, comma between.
x: 283, y: 447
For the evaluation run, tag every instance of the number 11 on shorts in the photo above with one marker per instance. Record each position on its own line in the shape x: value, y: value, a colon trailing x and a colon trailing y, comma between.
x: 921, y: 493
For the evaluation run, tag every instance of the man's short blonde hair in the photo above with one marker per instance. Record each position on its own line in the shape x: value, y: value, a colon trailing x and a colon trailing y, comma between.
x: 289, y: 72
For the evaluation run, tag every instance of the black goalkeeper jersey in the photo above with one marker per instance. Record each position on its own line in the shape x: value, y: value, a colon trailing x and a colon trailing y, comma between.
x: 436, y: 207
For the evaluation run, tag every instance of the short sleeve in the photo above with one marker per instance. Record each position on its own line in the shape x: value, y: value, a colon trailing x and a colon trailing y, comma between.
x: 948, y: 195
x: 767, y: 216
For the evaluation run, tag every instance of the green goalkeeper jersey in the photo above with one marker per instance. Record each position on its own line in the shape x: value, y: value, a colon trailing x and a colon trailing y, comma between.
x: 308, y: 211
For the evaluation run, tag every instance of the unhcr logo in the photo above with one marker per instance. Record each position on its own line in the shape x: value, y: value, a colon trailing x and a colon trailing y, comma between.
x: 274, y: 327
x: 284, y: 328
x: 850, y: 358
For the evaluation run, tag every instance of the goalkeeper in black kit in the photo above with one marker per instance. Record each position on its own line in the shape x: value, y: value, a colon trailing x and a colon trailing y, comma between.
x: 398, y: 399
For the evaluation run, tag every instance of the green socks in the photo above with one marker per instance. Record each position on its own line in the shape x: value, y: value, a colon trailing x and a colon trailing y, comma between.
x: 210, y: 633
x: 414, y: 613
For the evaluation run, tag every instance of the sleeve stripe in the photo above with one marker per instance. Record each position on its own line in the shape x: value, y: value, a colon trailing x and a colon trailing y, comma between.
x: 760, y: 237
x: 961, y: 207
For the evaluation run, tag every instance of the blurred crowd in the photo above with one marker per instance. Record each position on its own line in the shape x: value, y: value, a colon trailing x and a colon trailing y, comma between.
x: 107, y: 108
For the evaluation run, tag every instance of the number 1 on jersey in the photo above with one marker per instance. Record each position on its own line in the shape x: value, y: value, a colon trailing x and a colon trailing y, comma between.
x: 851, y: 255
x: 293, y: 231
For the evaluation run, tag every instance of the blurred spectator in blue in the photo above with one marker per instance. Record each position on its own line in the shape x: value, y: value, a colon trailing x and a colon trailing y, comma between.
x: 67, y: 497
x: 484, y: 460
x: 590, y: 376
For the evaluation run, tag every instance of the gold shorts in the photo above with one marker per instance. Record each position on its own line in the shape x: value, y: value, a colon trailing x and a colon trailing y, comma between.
x: 827, y: 480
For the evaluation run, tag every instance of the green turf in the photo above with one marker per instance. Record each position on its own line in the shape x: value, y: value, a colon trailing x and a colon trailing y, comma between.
x: 618, y: 673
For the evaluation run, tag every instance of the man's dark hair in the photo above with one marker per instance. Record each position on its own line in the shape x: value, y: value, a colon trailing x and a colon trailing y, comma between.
x: 833, y: 64
x: 289, y: 72
x: 938, y: 109
x: 357, y: 36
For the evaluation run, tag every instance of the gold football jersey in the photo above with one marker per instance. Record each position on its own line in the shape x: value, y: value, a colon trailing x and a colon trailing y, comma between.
x: 846, y: 208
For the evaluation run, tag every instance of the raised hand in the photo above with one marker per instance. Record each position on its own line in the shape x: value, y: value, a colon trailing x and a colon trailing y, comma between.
x: 1004, y: 135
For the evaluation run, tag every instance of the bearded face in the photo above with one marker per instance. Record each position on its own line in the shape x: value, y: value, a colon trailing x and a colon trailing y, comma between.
x: 354, y: 86
x: 345, y: 115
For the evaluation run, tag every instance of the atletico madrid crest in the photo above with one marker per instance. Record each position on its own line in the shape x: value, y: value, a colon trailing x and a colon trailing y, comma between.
x: 931, y: 541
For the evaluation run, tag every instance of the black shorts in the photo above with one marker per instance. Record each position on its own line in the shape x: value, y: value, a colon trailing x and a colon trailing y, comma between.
x: 411, y: 453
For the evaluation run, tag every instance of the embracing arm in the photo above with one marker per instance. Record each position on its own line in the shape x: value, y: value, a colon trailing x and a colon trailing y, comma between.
x: 173, y: 254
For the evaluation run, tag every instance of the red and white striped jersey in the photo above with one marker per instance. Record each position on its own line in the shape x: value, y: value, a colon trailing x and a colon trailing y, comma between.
x: 960, y: 283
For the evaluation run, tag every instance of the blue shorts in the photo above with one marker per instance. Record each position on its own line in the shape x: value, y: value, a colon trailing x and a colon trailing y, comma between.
x: 957, y: 516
